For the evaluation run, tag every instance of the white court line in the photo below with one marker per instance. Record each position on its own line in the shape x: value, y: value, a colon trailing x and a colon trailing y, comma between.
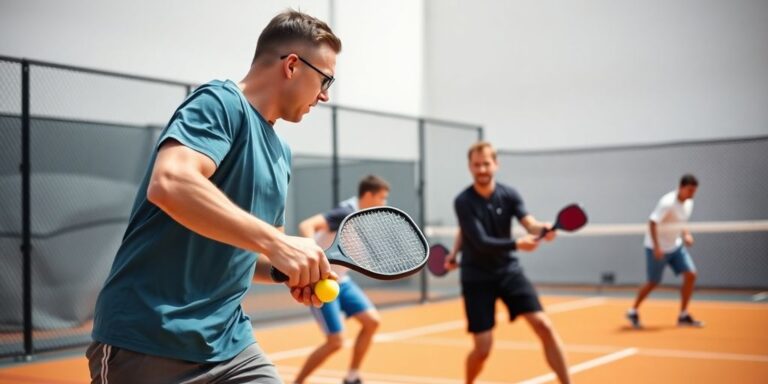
x: 602, y: 360
x: 551, y: 309
x: 437, y: 328
x: 512, y: 345
x: 582, y: 348
x: 458, y: 324
x: 702, y: 355
x: 298, y: 352
x: 760, y: 296
x: 332, y: 376
x: 388, y: 378
x: 420, y: 331
x: 708, y: 305
x: 575, y: 304
x: 374, y: 378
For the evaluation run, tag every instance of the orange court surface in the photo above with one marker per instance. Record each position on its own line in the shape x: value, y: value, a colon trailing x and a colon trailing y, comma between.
x: 427, y: 343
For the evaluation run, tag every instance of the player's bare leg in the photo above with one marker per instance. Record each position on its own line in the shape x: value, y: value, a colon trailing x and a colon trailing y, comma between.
x: 332, y: 344
x: 553, y: 346
x: 369, y: 321
x: 632, y: 314
x: 689, y: 279
x: 644, y: 291
x: 685, y: 319
x: 477, y: 356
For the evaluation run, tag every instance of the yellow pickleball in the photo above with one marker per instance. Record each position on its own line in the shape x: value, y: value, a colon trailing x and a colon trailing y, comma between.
x: 327, y: 290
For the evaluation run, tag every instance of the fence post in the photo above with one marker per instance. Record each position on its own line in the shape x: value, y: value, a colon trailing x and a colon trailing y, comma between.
x: 26, y: 229
x: 421, y: 197
x: 335, y: 179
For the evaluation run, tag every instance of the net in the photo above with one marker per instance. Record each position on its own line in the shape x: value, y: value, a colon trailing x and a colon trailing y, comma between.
x: 727, y: 254
x: 383, y: 241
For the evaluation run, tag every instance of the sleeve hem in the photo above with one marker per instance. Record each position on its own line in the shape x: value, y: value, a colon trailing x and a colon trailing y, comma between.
x: 208, y: 152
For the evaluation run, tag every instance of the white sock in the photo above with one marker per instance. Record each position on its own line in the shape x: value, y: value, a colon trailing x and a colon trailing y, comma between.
x: 632, y: 311
x: 352, y: 375
x: 683, y: 313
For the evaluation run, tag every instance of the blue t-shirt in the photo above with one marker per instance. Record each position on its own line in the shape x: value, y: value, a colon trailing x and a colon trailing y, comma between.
x: 172, y: 292
x: 486, y: 229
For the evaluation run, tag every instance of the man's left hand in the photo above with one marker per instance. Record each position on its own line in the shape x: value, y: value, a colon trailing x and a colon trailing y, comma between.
x: 688, y: 239
x: 305, y: 295
x: 551, y: 233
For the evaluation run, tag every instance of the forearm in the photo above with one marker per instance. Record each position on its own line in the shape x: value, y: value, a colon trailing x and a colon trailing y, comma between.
x: 653, y: 231
x: 196, y: 203
x: 486, y: 243
x: 457, y: 242
x: 312, y: 225
x: 532, y: 226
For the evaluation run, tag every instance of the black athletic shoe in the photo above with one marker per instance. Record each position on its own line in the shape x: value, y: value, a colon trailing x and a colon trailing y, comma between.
x: 634, y: 318
x: 355, y: 381
x: 688, y: 321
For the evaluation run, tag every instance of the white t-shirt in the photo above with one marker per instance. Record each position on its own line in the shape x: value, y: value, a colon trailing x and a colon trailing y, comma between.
x: 670, y: 217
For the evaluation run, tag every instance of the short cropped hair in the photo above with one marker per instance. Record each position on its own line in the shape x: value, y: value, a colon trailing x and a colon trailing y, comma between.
x: 689, y: 179
x: 373, y: 184
x: 291, y: 27
x: 478, y: 147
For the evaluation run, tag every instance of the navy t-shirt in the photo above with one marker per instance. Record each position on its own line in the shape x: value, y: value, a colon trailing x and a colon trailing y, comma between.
x: 486, y: 228
x: 335, y: 216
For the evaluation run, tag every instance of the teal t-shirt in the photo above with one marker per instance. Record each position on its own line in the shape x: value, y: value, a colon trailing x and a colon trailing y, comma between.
x: 172, y: 292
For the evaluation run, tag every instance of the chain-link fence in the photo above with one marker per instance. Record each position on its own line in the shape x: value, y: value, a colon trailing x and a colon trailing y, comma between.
x: 74, y: 145
x: 11, y: 283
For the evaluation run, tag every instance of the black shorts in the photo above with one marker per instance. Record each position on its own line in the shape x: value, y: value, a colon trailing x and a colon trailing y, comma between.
x: 514, y: 289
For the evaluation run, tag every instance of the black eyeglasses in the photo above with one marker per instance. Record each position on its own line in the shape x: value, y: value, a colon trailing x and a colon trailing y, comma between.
x: 327, y: 80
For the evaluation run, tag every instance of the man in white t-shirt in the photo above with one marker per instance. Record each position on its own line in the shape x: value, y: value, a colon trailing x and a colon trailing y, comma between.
x: 666, y: 243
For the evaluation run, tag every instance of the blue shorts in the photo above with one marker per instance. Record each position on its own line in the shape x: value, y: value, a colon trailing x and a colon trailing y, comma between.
x: 679, y: 260
x: 351, y: 301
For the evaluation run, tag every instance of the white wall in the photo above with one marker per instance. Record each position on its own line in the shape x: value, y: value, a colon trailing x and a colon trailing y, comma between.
x: 382, y: 63
x: 536, y: 74
x: 544, y: 74
x: 198, y: 40
x: 184, y: 40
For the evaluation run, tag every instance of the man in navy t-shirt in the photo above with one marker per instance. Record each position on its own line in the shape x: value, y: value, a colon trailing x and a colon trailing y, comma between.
x: 489, y: 269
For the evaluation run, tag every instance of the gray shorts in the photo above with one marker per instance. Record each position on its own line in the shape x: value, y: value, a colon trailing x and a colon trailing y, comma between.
x: 112, y: 365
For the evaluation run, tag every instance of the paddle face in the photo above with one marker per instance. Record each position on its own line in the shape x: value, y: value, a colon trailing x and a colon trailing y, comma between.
x: 436, y: 264
x: 571, y: 218
x: 382, y: 243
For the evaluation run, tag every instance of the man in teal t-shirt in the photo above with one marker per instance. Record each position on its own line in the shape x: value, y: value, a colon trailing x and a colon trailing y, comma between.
x: 212, y: 201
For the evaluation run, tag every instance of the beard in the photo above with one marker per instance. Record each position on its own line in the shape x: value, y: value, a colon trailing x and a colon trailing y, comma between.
x: 483, y: 180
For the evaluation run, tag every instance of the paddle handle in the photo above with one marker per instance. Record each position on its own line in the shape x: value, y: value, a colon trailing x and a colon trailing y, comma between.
x: 277, y: 276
